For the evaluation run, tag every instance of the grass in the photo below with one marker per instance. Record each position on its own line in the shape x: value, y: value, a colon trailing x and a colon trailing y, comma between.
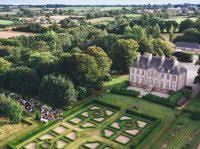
x: 116, y: 80
x: 6, y: 22
x: 100, y: 20
x: 10, y: 132
x: 179, y: 19
x: 194, y: 104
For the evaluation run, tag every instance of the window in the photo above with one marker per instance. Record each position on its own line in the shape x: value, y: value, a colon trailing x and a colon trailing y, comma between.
x: 149, y: 72
x: 151, y: 82
x: 156, y: 83
x: 142, y: 72
x: 167, y: 85
x: 152, y: 72
x: 173, y: 78
x: 168, y: 77
x: 143, y: 80
x: 162, y: 76
x: 133, y: 70
x: 156, y: 74
x: 138, y: 71
x: 161, y: 84
x: 173, y: 87
x: 132, y: 78
x: 137, y: 79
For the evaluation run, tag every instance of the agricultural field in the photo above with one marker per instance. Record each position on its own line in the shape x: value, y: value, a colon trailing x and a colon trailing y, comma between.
x: 100, y: 20
x: 10, y: 34
x: 179, y: 19
x: 6, y: 22
x: 97, y: 125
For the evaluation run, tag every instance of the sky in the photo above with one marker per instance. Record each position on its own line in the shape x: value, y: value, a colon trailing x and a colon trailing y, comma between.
x: 97, y: 2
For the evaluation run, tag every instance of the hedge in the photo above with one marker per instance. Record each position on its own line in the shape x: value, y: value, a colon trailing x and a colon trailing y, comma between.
x: 184, y: 56
x: 122, y: 90
x: 158, y: 99
x: 143, y: 136
x: 106, y: 105
x: 132, y: 112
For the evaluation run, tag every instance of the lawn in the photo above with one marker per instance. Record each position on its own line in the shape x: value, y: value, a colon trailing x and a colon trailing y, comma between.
x: 194, y: 104
x: 116, y: 80
x: 6, y: 22
x: 179, y: 19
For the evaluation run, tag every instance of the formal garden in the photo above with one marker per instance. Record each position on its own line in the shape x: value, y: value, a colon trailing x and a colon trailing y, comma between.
x: 94, y: 124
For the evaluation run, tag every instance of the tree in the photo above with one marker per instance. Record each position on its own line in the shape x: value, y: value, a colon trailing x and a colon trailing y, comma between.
x: 171, y: 34
x: 43, y: 63
x: 82, y: 69
x: 57, y: 90
x: 186, y: 24
x: 197, y: 78
x: 160, y: 45
x: 123, y: 53
x: 11, y: 108
x: 4, y: 65
x: 145, y: 46
x: 68, y: 23
x: 137, y: 33
x: 157, y: 31
x: 102, y: 60
x: 20, y: 80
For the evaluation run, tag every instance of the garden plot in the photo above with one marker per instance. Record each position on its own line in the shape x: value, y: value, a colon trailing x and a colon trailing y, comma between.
x: 60, y: 144
x: 75, y: 120
x: 92, y: 145
x: 60, y: 129
x: 132, y: 132
x: 88, y: 125
x: 31, y: 145
x: 72, y: 136
x: 108, y: 133
x: 46, y: 137
x: 122, y: 139
x: 141, y: 124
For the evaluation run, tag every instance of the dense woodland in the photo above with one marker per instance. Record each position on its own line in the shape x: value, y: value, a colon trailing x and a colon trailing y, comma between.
x: 64, y: 64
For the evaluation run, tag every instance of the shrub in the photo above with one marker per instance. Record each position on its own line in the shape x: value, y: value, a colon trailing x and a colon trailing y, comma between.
x: 11, y: 108
x: 184, y: 56
x: 159, y: 100
x: 122, y: 90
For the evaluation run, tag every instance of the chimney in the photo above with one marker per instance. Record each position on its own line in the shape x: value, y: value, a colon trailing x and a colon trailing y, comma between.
x: 175, y: 61
x: 162, y: 58
x: 138, y: 58
x: 149, y: 59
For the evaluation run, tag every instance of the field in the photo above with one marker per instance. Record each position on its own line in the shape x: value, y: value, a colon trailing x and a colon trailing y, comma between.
x: 179, y: 19
x: 9, y: 34
x: 100, y: 20
x: 6, y: 22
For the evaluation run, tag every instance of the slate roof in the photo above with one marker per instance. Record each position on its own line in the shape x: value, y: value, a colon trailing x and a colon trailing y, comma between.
x: 155, y: 63
x: 188, y: 45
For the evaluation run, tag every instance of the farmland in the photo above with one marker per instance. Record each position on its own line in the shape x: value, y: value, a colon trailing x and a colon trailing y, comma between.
x: 6, y: 22
x: 9, y: 34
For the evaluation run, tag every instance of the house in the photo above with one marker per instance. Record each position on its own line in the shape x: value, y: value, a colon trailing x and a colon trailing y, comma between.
x: 188, y: 47
x: 154, y: 73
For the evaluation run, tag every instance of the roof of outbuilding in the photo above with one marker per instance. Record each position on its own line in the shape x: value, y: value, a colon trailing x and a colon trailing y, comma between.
x: 166, y: 67
x: 188, y: 45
